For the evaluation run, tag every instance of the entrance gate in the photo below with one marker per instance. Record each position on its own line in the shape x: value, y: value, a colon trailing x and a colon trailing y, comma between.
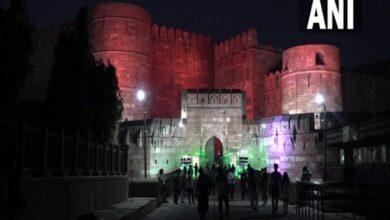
x: 213, y: 151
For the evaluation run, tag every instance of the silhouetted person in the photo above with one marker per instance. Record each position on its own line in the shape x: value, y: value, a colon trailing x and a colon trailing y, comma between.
x: 212, y: 176
x: 264, y: 186
x: 243, y: 184
x: 306, y: 174
x: 232, y: 183
x: 286, y: 188
x: 222, y: 187
x: 252, y: 186
x: 190, y: 187
x: 275, y: 184
x: 190, y: 169
x: 161, y: 186
x: 183, y: 185
x: 202, y: 193
x: 196, y: 169
x: 176, y: 186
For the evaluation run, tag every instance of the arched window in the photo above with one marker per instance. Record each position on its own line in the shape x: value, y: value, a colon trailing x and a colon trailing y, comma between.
x: 320, y: 59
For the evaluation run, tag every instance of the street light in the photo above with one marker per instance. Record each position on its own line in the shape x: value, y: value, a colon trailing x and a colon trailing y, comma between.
x: 141, y: 97
x: 321, y: 100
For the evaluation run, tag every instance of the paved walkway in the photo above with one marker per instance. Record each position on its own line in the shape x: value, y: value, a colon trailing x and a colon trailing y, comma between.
x: 238, y: 210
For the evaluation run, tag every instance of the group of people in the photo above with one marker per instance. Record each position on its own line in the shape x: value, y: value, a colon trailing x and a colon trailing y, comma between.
x: 222, y: 181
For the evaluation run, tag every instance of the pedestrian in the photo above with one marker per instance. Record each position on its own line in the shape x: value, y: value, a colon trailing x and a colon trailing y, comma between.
x: 190, y: 187
x: 232, y: 183
x: 202, y: 193
x: 176, y: 186
x: 275, y: 184
x: 161, y: 186
x: 252, y: 186
x: 264, y: 186
x: 286, y: 188
x: 190, y: 169
x: 306, y: 174
x: 183, y: 185
x: 196, y: 169
x: 212, y: 176
x: 243, y: 184
x: 222, y: 187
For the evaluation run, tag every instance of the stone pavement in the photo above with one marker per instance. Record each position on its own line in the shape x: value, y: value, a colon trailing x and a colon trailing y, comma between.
x: 238, y: 210
x: 131, y: 209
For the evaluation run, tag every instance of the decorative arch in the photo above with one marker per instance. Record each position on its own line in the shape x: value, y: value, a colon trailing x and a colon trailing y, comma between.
x: 213, y: 151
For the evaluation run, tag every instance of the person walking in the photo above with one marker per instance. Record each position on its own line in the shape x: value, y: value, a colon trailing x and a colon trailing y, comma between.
x: 243, y: 184
x: 286, y: 188
x: 176, y: 186
x: 306, y: 174
x: 190, y: 187
x: 196, y: 169
x: 162, y: 187
x: 212, y: 176
x: 275, y: 184
x: 264, y: 186
x: 252, y: 186
x: 202, y: 193
x: 232, y: 183
x: 183, y: 185
x: 222, y: 187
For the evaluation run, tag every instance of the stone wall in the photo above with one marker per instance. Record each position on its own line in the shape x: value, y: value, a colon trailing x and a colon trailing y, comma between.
x: 309, y: 70
x: 241, y: 63
x: 120, y: 34
x: 70, y: 197
x: 272, y: 90
x: 181, y: 60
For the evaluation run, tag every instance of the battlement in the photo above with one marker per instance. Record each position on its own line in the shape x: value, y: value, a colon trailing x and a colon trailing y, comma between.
x: 236, y: 44
x: 272, y: 80
x: 179, y: 36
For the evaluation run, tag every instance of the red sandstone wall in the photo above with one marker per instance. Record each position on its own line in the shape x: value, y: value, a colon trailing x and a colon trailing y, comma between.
x: 272, y: 84
x: 241, y: 63
x: 307, y: 71
x: 181, y: 60
x: 121, y: 33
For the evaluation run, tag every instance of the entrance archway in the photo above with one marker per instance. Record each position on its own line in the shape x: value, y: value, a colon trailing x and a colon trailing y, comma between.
x: 214, y: 151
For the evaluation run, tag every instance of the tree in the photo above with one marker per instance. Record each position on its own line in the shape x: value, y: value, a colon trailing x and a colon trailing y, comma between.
x: 83, y: 93
x: 105, y: 101
x: 15, y: 49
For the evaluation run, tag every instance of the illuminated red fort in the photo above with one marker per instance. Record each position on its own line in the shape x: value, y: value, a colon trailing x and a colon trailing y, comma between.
x: 164, y: 61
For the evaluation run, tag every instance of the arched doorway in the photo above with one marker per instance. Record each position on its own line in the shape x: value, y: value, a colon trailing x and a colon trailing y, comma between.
x: 214, y: 151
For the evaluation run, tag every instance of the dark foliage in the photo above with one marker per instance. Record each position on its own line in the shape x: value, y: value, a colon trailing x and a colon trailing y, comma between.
x: 83, y: 93
x: 15, y: 49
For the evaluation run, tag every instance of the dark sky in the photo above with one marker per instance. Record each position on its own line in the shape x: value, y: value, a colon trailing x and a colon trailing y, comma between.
x: 275, y: 20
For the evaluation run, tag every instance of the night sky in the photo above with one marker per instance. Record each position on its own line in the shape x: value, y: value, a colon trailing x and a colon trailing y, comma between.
x: 275, y: 20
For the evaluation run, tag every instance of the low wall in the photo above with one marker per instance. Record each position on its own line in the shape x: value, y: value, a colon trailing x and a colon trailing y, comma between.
x: 69, y: 197
x: 143, y: 188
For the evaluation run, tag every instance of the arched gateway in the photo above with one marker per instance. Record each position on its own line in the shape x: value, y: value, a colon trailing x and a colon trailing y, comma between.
x: 213, y: 151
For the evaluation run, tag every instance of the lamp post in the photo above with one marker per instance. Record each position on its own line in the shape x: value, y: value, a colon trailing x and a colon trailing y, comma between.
x: 321, y: 100
x: 141, y: 97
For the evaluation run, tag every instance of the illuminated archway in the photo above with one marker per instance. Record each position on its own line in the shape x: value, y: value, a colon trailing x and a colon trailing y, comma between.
x: 213, y: 151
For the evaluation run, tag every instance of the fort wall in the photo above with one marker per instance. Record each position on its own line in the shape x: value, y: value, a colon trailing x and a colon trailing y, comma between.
x: 120, y: 34
x: 309, y: 70
x: 272, y: 91
x: 241, y: 63
x: 181, y: 60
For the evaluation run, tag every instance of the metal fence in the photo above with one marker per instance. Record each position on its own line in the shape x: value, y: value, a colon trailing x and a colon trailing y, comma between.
x: 313, y: 200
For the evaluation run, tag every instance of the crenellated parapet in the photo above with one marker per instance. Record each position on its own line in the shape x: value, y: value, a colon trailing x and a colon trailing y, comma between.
x: 236, y: 44
x: 272, y: 80
x: 178, y: 36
